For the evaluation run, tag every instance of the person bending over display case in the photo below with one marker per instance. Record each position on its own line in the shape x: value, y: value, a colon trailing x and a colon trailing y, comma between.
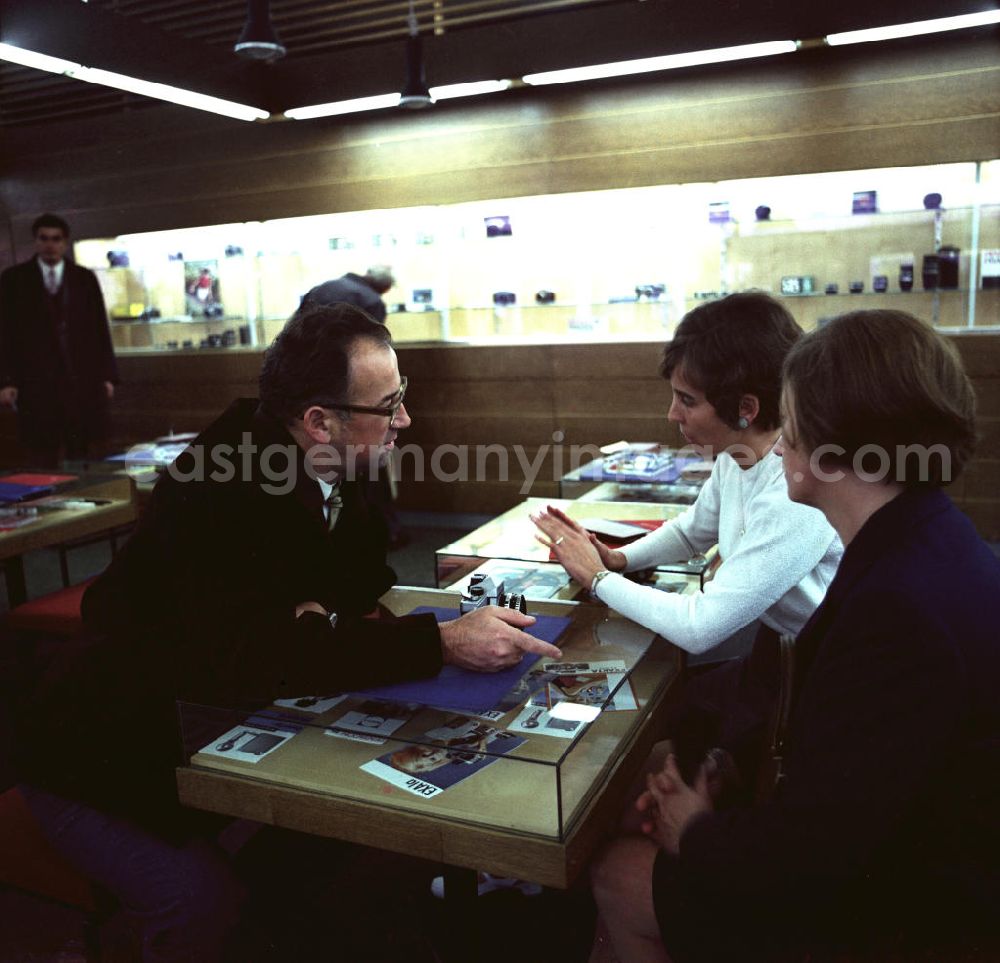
x: 248, y: 579
x: 881, y: 834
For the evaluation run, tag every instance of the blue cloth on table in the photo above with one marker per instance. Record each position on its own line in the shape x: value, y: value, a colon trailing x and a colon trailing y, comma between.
x: 462, y: 689
x: 15, y: 492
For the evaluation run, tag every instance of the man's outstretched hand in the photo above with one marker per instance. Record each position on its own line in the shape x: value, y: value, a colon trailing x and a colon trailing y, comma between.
x: 490, y: 639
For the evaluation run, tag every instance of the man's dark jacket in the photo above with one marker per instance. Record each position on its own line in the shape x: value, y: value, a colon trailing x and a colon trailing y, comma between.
x: 200, y: 606
x: 885, y: 828
x: 56, y: 350
x: 349, y: 289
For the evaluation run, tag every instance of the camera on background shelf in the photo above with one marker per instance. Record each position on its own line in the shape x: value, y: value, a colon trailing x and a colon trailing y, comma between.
x: 652, y: 292
x: 798, y: 284
x: 483, y: 591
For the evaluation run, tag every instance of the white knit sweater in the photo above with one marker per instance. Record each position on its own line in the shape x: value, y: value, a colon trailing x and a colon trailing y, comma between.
x: 778, y: 558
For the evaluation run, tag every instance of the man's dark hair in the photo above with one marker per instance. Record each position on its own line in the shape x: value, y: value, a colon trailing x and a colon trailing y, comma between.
x: 732, y: 347
x: 309, y: 361
x: 49, y: 220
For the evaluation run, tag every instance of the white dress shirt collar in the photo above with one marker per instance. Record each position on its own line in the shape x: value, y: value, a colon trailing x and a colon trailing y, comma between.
x: 57, y: 268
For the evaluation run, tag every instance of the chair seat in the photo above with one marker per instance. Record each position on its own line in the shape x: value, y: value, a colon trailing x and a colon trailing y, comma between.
x: 29, y: 863
x: 57, y: 613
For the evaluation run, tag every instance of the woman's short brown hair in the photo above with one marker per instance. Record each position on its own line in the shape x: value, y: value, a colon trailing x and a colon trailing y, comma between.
x: 885, y: 384
x: 732, y: 347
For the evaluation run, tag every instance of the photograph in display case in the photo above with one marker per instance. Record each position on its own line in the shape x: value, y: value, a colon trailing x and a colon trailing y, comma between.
x: 498, y: 226
x: 201, y: 287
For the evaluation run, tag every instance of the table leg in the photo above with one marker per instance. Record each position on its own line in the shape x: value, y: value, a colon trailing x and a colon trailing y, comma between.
x: 461, y: 900
x: 17, y: 589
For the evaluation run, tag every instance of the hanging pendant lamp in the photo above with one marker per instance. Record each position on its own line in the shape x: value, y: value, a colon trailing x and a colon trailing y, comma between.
x: 416, y: 93
x: 258, y: 41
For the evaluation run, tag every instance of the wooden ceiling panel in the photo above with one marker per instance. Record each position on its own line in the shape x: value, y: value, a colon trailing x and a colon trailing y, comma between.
x: 339, y: 49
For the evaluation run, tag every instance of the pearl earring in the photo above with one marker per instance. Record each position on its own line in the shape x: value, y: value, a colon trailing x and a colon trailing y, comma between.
x: 742, y: 423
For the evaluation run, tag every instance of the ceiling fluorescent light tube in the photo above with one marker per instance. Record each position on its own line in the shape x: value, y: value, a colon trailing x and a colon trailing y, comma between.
x: 173, y: 95
x: 107, y: 78
x: 28, y: 58
x: 915, y: 29
x: 669, y: 62
x: 378, y: 102
x: 449, y: 91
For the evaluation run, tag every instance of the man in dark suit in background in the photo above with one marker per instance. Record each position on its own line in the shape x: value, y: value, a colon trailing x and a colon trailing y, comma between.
x: 57, y: 366
x: 363, y: 291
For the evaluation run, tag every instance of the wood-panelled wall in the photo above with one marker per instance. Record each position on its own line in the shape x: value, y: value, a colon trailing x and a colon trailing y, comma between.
x: 830, y: 109
x: 540, y: 399
x: 932, y: 101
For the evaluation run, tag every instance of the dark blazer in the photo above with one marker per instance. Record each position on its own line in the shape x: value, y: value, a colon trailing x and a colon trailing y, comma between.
x: 885, y: 827
x: 349, y: 289
x: 55, y: 375
x: 199, y: 606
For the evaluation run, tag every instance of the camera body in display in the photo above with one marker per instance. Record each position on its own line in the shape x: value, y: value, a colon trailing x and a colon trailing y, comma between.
x: 484, y: 591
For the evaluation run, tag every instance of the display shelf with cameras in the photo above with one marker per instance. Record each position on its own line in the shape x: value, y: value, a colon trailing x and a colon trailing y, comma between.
x: 938, y: 264
x: 608, y: 265
x: 515, y: 773
x: 171, y: 334
x: 160, y: 298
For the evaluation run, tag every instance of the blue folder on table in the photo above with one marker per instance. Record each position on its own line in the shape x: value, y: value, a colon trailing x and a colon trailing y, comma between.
x: 14, y: 492
x: 462, y: 689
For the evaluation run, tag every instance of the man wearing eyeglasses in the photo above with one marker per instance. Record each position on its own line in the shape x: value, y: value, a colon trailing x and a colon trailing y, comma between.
x: 250, y: 577
x: 366, y: 292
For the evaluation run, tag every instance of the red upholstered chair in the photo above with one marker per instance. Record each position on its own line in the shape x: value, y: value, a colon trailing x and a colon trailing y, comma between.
x: 57, y: 613
x: 28, y: 863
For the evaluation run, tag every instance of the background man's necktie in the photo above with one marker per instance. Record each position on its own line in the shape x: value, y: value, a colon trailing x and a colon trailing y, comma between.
x: 333, y: 505
x: 51, y: 281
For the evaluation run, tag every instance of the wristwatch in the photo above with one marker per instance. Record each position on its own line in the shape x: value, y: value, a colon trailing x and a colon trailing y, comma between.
x: 603, y: 573
x: 333, y: 620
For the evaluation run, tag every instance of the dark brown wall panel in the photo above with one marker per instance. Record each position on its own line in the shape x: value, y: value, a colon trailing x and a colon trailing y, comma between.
x: 478, y: 396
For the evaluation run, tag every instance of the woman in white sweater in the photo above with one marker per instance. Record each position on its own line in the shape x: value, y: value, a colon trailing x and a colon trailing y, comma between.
x: 724, y: 366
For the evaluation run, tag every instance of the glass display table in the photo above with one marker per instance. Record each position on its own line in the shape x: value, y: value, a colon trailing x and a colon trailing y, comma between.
x: 526, y: 803
x: 673, y: 493
x: 511, y: 536
x: 641, y: 466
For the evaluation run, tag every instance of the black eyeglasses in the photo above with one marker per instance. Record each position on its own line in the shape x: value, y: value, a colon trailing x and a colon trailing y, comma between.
x: 388, y: 411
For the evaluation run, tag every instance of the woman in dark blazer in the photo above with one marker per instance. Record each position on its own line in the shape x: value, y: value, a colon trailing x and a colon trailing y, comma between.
x: 882, y: 834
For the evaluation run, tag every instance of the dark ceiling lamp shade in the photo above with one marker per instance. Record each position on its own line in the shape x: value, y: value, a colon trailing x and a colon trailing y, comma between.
x: 415, y: 93
x: 258, y: 41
